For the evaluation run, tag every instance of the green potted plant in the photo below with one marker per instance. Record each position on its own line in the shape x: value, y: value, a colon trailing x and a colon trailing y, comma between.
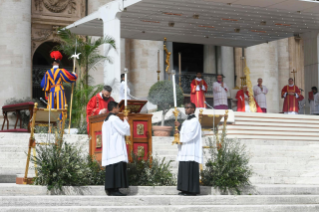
x: 161, y: 94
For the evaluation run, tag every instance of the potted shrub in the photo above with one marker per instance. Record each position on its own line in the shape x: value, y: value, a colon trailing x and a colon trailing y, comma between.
x: 161, y: 94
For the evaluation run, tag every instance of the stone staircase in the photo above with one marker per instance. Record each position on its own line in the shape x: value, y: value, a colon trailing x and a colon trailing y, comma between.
x: 273, y: 161
x: 14, y: 149
x: 274, y: 126
x: 24, y: 198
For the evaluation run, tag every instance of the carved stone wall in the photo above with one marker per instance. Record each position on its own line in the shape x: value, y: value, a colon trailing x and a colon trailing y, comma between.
x: 48, y: 15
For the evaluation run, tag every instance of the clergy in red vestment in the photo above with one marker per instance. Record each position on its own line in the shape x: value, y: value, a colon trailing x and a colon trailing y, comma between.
x: 243, y: 101
x: 198, y: 90
x: 291, y: 94
x: 98, y: 104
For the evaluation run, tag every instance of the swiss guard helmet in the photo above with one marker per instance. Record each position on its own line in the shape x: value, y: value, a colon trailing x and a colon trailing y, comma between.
x: 56, y: 56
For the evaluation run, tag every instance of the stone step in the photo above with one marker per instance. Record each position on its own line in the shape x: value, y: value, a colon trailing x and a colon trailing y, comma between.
x: 284, y: 180
x: 294, y: 125
x: 306, y: 120
x: 276, y: 115
x: 158, y: 200
x: 271, y: 128
x: 12, y: 189
x: 184, y: 208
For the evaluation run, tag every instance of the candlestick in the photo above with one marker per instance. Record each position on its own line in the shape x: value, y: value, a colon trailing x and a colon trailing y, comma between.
x: 158, y: 60
x: 125, y: 87
x: 174, y: 89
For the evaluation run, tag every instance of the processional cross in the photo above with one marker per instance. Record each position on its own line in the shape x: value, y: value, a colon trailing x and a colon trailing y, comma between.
x: 294, y: 73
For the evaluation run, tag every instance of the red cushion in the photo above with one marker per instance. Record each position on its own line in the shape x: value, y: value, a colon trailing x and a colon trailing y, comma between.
x: 18, y: 106
x: 15, y: 130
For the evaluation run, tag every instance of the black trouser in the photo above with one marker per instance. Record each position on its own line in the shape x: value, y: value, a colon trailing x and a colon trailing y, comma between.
x: 116, y: 176
x: 188, y: 177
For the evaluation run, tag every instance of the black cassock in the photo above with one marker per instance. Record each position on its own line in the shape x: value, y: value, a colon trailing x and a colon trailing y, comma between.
x: 188, y: 173
x: 116, y: 176
x: 188, y: 177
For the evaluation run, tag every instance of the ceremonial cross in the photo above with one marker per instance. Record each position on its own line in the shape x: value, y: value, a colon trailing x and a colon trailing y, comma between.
x: 294, y: 72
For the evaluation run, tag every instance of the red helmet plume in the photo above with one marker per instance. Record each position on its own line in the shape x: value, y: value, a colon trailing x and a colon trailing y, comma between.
x: 56, y: 55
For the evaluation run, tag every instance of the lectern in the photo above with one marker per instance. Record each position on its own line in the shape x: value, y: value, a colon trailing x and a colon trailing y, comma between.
x: 141, y: 131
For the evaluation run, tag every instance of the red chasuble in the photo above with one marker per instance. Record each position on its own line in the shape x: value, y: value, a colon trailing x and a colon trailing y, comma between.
x: 241, y: 102
x: 291, y: 102
x: 198, y: 97
x: 94, y: 106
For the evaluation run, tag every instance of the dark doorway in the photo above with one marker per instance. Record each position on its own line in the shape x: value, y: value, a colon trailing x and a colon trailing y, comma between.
x: 192, y: 57
x: 41, y: 63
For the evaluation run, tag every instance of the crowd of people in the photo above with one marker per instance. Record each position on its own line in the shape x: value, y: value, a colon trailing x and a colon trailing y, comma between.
x: 293, y: 99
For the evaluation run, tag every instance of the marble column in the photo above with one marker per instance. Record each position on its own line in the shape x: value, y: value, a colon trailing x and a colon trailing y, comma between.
x: 97, y: 71
x: 143, y: 65
x: 262, y: 61
x: 228, y: 66
x: 283, y: 67
x: 209, y: 59
x: 311, y: 61
x: 15, y: 48
x: 238, y: 66
x: 219, y: 59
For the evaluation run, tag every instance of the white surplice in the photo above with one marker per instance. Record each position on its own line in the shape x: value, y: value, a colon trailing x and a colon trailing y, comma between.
x: 220, y: 94
x: 122, y: 91
x: 191, y: 148
x: 247, y: 107
x: 260, y: 96
x: 114, y: 146
x: 316, y: 104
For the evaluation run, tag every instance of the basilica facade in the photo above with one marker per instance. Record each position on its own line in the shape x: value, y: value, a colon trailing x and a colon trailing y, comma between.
x: 29, y: 32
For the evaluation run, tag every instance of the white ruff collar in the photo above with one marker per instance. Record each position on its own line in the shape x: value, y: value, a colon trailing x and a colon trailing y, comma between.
x: 291, y: 85
x: 198, y: 79
x: 55, y: 67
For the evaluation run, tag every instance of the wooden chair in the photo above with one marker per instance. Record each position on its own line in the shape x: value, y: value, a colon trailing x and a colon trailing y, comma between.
x: 43, y: 117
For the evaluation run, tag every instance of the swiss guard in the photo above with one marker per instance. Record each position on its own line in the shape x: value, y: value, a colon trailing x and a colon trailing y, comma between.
x: 52, y: 82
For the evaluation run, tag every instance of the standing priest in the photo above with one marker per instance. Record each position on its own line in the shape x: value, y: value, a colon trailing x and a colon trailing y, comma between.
x: 189, y: 153
x: 114, y: 153
x: 291, y: 94
x: 98, y: 104
x: 198, y: 90
x: 220, y: 91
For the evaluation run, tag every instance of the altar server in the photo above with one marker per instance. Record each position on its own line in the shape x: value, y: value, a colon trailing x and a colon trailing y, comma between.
x: 114, y: 153
x: 220, y: 91
x: 189, y: 153
x: 311, y: 99
x: 316, y: 104
x: 260, y: 92
x: 98, y: 104
x: 291, y: 94
x: 52, y: 82
x: 198, y: 90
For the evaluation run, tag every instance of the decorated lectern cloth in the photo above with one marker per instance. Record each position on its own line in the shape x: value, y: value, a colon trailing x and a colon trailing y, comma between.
x: 122, y: 91
x: 220, y: 94
x: 243, y: 103
x: 260, y: 95
x: 52, y: 86
x: 95, y: 105
x: 198, y: 92
x: 316, y: 104
x: 114, y: 153
x: 291, y: 104
x: 190, y: 155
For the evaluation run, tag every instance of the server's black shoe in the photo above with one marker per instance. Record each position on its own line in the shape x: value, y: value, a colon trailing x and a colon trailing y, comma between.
x: 181, y: 193
x: 118, y: 193
x: 189, y: 194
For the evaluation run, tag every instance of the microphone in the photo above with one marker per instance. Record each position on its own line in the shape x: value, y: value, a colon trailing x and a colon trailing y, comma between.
x: 42, y: 100
x: 209, y: 105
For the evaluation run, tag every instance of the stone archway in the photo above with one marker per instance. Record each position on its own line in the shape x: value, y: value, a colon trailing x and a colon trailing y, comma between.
x: 41, y: 62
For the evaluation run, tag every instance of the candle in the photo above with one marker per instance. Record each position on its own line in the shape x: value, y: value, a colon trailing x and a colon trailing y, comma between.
x: 125, y: 90
x: 174, y: 89
x: 158, y: 60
